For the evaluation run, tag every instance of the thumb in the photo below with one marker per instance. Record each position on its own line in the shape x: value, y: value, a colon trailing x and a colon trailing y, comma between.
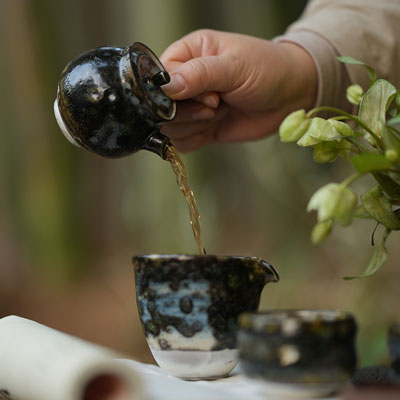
x: 203, y: 74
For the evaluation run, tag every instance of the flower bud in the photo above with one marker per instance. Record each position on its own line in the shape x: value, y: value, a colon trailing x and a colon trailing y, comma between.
x: 325, y: 152
x: 307, y: 140
x: 341, y: 127
x: 333, y: 201
x: 321, y: 231
x: 354, y: 94
x: 345, y: 208
x: 321, y: 129
x: 294, y: 126
x: 392, y: 155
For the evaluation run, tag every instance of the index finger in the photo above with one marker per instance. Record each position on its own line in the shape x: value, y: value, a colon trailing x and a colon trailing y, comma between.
x: 199, y: 43
x: 176, y: 54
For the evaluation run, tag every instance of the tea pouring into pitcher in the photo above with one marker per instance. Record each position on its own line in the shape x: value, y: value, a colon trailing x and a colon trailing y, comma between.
x: 109, y: 101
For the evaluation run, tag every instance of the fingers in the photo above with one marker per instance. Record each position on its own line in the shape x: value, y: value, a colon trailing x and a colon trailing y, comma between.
x: 200, y: 43
x: 186, y: 130
x: 188, y: 134
x: 189, y: 111
x: 194, y: 142
x: 210, y: 99
x: 204, y: 74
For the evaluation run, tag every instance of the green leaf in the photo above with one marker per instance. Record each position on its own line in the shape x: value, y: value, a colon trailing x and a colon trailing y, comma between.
x: 379, y: 207
x: 350, y: 60
x: 395, y: 120
x: 378, y: 258
x: 367, y: 162
x: 391, y: 188
x: 398, y: 101
x: 374, y: 105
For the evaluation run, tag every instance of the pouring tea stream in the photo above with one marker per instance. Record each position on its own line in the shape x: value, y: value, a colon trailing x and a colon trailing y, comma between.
x: 109, y: 101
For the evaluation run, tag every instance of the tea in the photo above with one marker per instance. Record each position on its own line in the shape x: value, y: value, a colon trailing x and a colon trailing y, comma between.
x: 181, y: 178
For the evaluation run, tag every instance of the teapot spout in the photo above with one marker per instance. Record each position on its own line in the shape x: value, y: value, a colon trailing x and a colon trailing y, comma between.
x: 157, y: 143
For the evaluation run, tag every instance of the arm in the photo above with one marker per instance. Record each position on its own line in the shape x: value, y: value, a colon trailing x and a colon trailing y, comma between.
x: 367, y: 30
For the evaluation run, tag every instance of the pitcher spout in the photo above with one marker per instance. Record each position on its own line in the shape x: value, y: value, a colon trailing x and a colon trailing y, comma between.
x: 270, y: 273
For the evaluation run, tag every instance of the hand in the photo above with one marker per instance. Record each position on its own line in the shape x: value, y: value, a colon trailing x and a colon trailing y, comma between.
x: 234, y: 87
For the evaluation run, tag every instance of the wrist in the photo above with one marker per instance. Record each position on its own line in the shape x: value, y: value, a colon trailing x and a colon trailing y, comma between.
x: 299, y: 77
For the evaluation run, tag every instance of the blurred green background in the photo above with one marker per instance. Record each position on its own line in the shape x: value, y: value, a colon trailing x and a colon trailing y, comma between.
x: 70, y: 221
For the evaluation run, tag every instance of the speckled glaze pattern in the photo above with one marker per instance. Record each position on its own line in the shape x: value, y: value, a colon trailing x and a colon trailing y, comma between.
x: 298, y: 346
x: 394, y: 347
x: 197, y: 297
x: 189, y: 305
x: 110, y: 103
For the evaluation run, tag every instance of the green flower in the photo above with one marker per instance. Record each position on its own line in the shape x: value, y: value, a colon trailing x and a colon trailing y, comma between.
x: 343, y: 129
x: 329, y: 151
x: 321, y: 231
x: 294, y: 126
x: 354, y: 94
x: 333, y: 201
x: 392, y: 155
x: 307, y: 140
x: 322, y: 129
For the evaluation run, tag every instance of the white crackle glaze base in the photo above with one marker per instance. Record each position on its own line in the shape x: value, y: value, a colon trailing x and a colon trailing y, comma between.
x: 62, y: 125
x: 197, y: 365
x: 300, y: 391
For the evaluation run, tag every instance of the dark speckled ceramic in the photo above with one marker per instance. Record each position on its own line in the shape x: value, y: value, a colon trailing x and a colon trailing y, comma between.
x: 298, y: 353
x: 394, y: 347
x: 189, y: 305
x: 109, y: 101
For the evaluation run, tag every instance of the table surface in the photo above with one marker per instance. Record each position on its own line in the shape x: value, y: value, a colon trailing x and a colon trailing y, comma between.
x: 161, y: 386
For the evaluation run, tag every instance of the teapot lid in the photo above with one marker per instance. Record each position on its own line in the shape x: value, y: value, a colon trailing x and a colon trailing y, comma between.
x: 149, y: 75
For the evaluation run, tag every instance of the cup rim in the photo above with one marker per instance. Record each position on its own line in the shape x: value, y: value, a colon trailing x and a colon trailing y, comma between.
x: 261, y: 320
x: 171, y: 256
x: 212, y: 257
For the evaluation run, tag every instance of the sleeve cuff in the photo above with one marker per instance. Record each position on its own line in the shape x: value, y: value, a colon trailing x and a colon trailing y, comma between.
x: 333, y: 78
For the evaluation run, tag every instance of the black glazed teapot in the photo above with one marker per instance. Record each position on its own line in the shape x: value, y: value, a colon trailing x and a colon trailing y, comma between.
x: 109, y: 101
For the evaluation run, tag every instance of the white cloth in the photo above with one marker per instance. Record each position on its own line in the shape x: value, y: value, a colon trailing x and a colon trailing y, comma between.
x: 161, y: 386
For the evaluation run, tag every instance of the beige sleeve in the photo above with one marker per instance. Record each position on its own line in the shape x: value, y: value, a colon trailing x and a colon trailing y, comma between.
x: 368, y: 30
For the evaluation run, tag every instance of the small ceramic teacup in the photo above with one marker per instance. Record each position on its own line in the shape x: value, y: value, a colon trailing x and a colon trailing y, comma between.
x: 189, y: 305
x: 298, y: 353
x: 394, y: 349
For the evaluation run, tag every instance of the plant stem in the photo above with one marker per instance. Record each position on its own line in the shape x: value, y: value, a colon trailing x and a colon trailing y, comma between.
x: 349, y: 116
x: 357, y: 144
x: 339, y: 117
x: 350, y: 179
